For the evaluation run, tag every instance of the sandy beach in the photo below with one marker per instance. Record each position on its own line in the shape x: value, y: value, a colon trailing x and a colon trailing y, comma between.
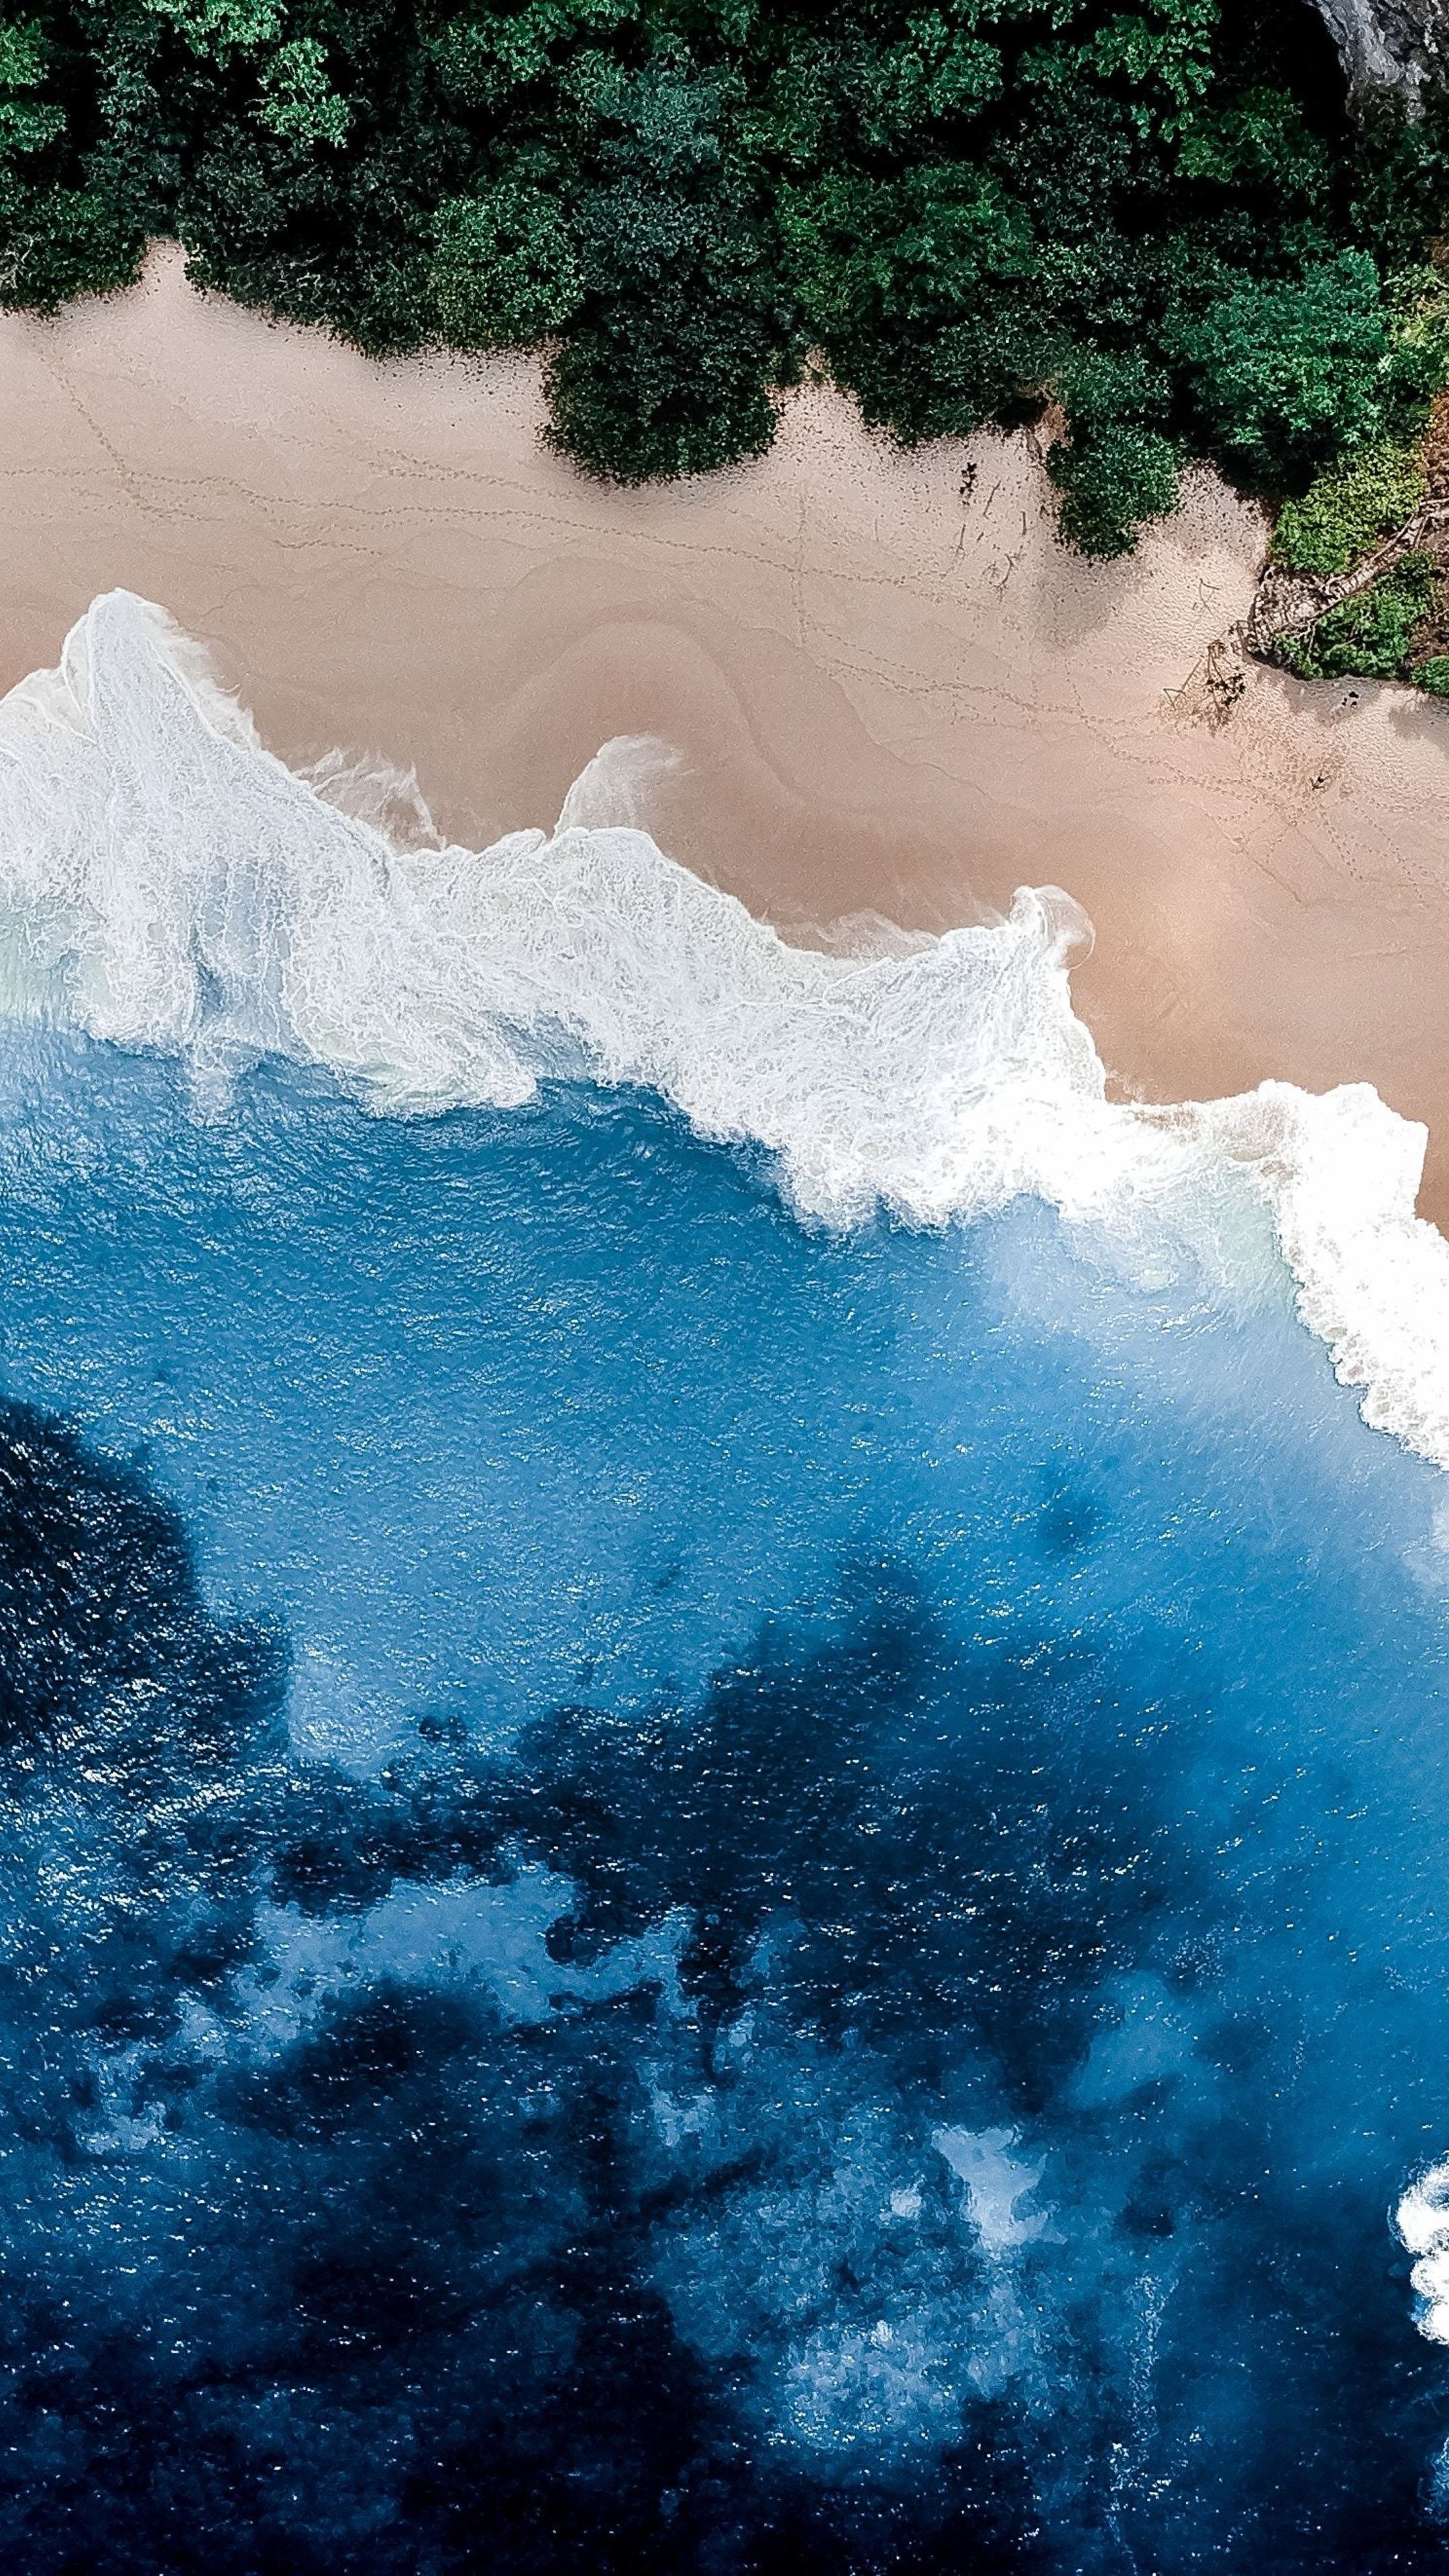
x: 890, y: 688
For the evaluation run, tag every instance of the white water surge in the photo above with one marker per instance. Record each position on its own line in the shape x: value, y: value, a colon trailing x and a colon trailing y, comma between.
x: 165, y: 882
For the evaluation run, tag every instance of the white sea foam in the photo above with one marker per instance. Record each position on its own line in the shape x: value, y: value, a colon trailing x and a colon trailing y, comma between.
x: 165, y: 882
x: 1422, y: 2219
x: 993, y: 2181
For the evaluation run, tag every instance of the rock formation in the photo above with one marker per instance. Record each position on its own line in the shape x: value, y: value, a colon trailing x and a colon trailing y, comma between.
x: 1400, y: 45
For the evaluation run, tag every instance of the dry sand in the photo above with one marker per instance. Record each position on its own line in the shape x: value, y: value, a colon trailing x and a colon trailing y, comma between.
x: 892, y: 689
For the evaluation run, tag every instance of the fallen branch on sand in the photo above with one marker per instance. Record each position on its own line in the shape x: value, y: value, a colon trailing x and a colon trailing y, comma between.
x: 1289, y: 604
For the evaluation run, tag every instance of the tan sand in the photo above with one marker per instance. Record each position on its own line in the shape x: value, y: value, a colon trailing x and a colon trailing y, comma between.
x: 893, y: 690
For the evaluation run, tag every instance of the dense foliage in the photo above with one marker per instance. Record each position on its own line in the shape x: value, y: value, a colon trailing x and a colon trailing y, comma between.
x: 1372, y: 491
x: 1372, y: 634
x: 1156, y: 216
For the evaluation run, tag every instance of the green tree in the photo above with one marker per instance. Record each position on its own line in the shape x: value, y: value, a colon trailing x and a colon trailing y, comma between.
x: 920, y: 292
x: 58, y: 236
x: 505, y: 270
x: 28, y: 119
x: 483, y: 57
x: 220, y: 27
x: 1115, y: 468
x: 1110, y: 480
x: 297, y: 98
x: 1286, y: 373
x: 667, y: 367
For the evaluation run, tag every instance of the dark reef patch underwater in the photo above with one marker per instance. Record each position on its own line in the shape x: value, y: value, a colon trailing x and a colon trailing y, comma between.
x: 682, y: 1893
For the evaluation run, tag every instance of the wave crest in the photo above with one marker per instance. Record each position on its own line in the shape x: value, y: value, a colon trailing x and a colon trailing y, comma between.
x: 165, y: 882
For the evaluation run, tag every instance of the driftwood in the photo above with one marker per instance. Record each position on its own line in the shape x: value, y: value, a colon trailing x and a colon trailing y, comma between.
x: 1288, y: 604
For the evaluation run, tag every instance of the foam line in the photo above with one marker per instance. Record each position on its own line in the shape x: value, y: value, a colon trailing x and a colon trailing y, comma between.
x: 165, y: 882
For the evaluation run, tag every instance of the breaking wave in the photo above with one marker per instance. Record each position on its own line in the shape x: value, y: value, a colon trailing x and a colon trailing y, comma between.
x: 166, y: 883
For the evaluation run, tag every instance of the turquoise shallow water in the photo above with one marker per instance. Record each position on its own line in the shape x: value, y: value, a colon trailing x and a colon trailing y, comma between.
x: 686, y: 1891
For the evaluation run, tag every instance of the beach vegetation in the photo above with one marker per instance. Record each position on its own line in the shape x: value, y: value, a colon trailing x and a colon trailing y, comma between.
x: 1372, y: 634
x: 1111, y: 479
x: 1287, y: 372
x: 297, y: 100
x: 683, y: 326
x: 505, y: 270
x: 1349, y: 507
x: 1113, y: 467
x: 1155, y: 227
x: 217, y: 27
x: 28, y: 122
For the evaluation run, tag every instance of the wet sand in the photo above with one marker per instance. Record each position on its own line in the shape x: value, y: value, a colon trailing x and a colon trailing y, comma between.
x: 892, y: 689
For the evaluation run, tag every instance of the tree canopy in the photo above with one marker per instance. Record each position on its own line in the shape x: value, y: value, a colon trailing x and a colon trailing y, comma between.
x: 1157, y: 218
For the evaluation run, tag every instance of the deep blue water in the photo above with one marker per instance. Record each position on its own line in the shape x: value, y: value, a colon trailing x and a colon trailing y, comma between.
x: 686, y: 1894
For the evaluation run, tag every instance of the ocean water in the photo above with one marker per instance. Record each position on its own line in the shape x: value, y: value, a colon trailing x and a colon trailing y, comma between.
x: 725, y: 1723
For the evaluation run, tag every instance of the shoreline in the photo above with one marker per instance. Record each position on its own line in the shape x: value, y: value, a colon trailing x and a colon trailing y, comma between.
x: 893, y: 691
